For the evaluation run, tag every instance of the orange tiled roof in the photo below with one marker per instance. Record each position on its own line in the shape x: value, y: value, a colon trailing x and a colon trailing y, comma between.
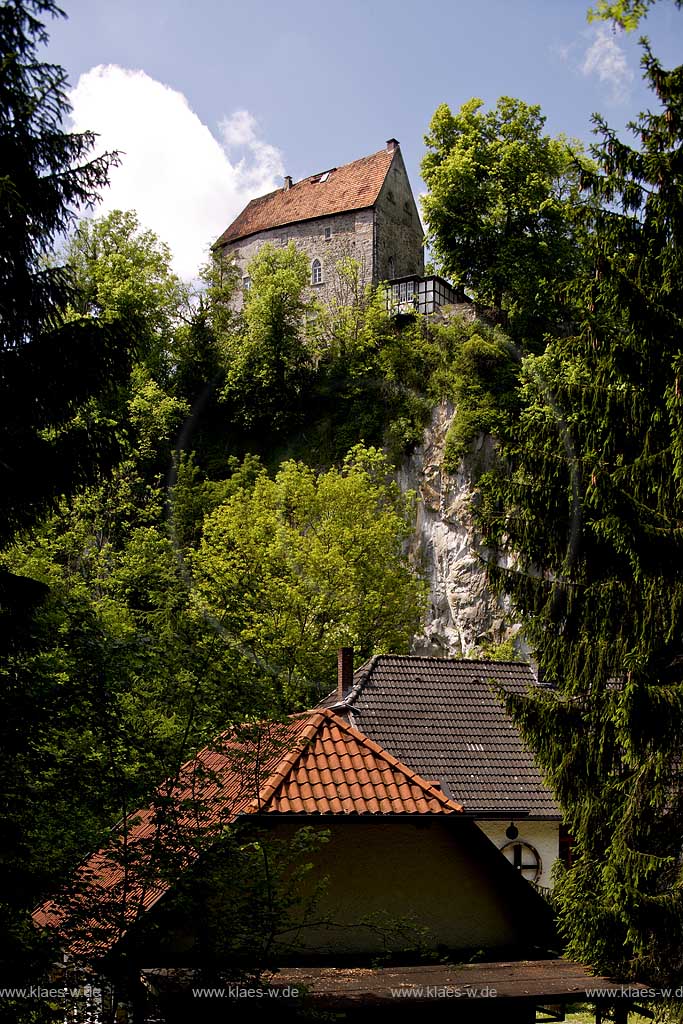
x: 354, y: 186
x: 341, y: 771
x: 313, y: 765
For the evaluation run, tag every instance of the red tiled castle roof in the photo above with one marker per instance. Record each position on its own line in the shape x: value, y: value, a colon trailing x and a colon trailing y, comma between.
x: 354, y: 186
x: 313, y: 765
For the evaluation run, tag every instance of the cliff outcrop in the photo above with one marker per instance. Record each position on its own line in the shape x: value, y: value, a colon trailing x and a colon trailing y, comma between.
x: 464, y: 617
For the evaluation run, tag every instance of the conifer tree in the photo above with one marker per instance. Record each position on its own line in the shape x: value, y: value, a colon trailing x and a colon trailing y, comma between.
x: 49, y: 370
x: 588, y: 501
x: 56, y: 376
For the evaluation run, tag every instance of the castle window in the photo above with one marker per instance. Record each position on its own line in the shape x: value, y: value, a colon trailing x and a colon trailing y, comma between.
x: 316, y: 272
x: 328, y: 234
x: 391, y: 267
x: 246, y: 284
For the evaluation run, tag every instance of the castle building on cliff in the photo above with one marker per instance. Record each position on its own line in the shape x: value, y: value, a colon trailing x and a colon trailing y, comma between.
x: 364, y: 210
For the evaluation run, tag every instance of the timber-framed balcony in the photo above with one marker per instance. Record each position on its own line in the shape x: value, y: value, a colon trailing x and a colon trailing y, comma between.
x: 415, y: 294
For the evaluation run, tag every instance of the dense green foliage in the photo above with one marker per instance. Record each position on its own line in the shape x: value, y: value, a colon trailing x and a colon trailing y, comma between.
x: 587, y: 500
x: 59, y: 381
x: 484, y: 371
x: 302, y: 565
x: 625, y: 13
x: 306, y: 382
x: 269, y: 358
x: 500, y: 210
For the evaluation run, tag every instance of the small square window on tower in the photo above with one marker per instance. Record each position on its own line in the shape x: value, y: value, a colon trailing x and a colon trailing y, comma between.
x: 328, y: 234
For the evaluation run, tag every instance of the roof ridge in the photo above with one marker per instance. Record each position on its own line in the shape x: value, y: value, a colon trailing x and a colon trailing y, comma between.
x: 289, y: 759
x: 363, y: 673
x: 337, y: 167
x: 376, y: 749
x: 441, y: 661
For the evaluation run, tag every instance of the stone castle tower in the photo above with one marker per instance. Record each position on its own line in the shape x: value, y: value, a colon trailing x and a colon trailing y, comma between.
x: 365, y: 210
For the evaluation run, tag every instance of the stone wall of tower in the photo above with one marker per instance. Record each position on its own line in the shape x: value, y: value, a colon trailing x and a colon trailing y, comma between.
x: 350, y: 234
x: 399, y: 237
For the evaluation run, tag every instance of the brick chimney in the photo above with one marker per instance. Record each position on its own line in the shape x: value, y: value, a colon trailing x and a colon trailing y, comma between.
x: 344, y: 672
x: 392, y: 144
x: 288, y: 182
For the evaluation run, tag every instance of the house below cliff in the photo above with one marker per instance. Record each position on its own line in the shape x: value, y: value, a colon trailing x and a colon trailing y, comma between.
x: 444, y: 718
x: 398, y: 865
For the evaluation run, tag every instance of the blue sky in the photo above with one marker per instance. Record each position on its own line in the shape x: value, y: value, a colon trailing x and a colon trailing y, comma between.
x: 212, y: 102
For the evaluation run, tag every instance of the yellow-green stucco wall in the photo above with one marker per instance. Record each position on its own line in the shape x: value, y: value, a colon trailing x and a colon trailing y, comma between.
x: 388, y: 878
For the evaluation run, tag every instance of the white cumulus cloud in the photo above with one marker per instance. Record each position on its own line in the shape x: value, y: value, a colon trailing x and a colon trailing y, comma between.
x: 184, y: 183
x: 606, y: 59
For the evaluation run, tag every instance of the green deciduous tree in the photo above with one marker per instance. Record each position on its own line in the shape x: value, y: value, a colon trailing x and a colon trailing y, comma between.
x: 121, y: 682
x: 123, y: 275
x: 499, y: 208
x: 625, y: 13
x: 588, y: 506
x: 202, y: 354
x: 303, y: 564
x: 269, y: 357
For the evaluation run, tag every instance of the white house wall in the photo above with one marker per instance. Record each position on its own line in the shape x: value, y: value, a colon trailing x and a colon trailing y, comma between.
x: 544, y: 836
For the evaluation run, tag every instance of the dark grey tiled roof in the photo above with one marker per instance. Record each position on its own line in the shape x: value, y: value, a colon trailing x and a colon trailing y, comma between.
x: 443, y: 718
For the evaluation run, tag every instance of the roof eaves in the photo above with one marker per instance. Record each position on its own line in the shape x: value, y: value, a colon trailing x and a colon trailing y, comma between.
x: 286, y: 223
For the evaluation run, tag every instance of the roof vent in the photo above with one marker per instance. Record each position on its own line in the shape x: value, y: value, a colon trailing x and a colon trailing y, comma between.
x: 392, y: 144
x: 288, y: 182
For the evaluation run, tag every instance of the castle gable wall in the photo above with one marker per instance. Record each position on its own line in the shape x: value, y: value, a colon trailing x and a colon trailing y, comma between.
x: 398, y: 231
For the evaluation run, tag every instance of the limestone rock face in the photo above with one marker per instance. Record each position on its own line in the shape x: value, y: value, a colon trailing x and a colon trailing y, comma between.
x: 463, y: 614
